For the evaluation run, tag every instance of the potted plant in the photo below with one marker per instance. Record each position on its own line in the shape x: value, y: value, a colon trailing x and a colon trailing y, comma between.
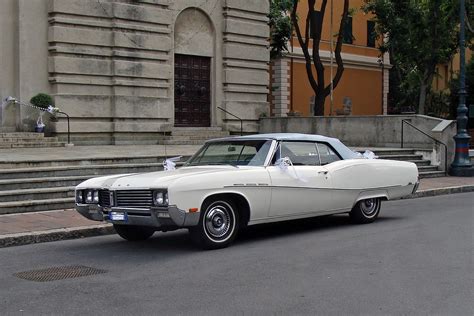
x: 43, y: 102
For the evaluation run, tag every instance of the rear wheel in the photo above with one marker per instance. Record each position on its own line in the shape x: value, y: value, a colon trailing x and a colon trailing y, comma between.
x: 365, y: 211
x: 217, y: 226
x: 133, y: 233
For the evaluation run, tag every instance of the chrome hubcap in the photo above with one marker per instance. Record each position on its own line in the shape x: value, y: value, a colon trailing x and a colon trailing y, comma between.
x: 369, y: 207
x: 218, y: 221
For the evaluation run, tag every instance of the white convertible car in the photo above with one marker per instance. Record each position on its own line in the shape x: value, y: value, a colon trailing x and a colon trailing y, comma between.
x: 238, y: 181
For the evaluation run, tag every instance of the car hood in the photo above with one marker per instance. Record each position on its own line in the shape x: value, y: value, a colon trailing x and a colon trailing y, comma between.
x: 158, y: 179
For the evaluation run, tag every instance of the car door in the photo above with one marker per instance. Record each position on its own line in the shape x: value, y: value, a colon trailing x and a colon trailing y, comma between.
x: 301, y: 185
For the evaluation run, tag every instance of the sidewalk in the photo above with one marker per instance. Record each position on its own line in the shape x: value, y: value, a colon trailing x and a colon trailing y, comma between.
x: 28, y: 228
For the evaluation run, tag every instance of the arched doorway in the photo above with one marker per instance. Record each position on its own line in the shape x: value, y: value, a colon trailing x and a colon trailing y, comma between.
x: 193, y: 56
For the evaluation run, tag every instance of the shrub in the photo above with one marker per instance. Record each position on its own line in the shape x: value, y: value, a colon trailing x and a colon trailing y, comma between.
x: 42, y: 100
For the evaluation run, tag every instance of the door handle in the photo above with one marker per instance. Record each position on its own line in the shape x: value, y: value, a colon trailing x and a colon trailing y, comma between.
x: 322, y: 172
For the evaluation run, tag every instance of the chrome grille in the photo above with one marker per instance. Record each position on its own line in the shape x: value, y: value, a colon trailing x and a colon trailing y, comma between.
x: 104, y: 198
x: 134, y: 198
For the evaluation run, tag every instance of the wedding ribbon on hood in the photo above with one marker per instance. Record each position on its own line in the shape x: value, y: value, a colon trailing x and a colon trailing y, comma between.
x: 284, y: 163
x: 170, y: 163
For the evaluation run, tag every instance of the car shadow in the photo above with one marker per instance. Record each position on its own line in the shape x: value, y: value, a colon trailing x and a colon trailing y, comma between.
x: 300, y: 226
x: 176, y: 243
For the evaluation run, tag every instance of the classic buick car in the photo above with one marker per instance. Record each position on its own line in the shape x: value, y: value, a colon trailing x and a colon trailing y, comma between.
x: 238, y: 181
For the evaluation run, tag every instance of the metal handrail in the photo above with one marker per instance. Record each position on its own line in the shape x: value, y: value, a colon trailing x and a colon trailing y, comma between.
x: 432, y: 138
x: 68, y: 128
x: 241, y: 129
x: 14, y: 100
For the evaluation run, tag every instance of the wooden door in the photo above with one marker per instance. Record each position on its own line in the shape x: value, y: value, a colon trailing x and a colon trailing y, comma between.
x: 192, y: 95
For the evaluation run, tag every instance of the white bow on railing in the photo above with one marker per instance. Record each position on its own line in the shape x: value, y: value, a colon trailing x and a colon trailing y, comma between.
x: 170, y: 163
x: 284, y: 163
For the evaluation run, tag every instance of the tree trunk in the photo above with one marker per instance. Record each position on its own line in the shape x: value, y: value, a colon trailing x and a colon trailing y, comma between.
x: 425, y: 84
x: 422, y: 99
x: 319, y: 100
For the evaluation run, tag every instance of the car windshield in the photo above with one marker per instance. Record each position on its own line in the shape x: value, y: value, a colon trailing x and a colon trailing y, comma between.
x: 232, y: 152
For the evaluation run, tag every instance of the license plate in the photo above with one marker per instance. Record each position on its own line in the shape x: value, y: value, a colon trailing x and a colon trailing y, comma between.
x: 118, y: 216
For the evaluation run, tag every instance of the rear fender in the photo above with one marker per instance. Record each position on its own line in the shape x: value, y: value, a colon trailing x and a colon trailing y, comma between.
x: 372, y: 194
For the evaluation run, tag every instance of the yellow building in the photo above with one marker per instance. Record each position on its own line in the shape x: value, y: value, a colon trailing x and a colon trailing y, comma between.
x: 446, y: 72
x: 363, y: 87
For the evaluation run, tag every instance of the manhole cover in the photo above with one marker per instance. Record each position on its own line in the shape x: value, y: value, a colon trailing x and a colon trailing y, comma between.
x: 58, y: 273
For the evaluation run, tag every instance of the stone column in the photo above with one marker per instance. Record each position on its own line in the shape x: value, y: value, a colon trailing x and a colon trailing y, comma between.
x: 281, y: 86
x: 246, y: 60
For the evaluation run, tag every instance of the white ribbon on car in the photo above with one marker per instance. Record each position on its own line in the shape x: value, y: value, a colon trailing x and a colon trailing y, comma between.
x: 366, y: 155
x: 284, y: 163
x: 170, y: 163
x: 369, y: 155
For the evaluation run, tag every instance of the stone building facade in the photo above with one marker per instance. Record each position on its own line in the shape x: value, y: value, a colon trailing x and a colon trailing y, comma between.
x: 127, y: 71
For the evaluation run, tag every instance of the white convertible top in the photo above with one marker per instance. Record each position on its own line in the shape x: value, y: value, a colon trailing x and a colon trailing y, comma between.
x: 335, y: 143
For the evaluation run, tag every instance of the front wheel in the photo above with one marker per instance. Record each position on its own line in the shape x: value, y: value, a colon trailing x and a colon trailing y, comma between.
x: 365, y: 211
x: 133, y: 233
x: 217, y: 226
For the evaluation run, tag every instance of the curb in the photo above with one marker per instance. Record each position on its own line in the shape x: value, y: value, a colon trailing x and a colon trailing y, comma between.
x: 442, y: 191
x: 27, y: 238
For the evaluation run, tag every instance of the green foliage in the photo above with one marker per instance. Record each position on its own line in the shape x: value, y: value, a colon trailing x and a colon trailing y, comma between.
x: 439, y: 104
x: 420, y: 35
x: 42, y: 100
x: 280, y: 26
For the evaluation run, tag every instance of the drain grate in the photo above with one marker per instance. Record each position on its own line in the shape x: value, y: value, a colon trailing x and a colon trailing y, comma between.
x: 58, y: 273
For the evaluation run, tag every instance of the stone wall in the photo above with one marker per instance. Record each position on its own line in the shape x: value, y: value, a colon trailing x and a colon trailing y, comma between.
x: 245, y: 61
x: 110, y: 63
x: 371, y: 131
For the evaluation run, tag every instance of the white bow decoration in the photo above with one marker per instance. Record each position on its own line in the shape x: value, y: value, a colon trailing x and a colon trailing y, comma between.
x: 284, y: 163
x: 366, y: 155
x: 170, y: 163
x: 369, y: 155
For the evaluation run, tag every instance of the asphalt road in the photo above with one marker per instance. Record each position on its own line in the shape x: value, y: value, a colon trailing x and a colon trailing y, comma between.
x: 416, y: 259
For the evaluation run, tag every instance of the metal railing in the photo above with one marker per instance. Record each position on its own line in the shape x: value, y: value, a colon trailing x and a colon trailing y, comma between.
x: 432, y: 138
x: 68, y: 127
x: 45, y: 110
x: 241, y: 121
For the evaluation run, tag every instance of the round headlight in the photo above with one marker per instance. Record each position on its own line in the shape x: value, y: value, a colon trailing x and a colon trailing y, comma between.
x: 95, y: 196
x: 79, y: 197
x: 89, y: 196
x: 159, y: 198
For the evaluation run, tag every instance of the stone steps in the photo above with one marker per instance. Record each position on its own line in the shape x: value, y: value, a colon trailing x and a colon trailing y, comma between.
x: 42, y: 182
x: 28, y: 140
x: 425, y: 169
x: 30, y: 186
x: 93, y: 170
x: 36, y: 205
x: 58, y: 162
x: 432, y: 174
x: 421, y: 162
x: 193, y: 136
x: 183, y: 142
x: 403, y: 157
x: 36, y: 194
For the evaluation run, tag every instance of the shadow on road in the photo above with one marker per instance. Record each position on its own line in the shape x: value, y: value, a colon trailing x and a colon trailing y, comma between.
x: 176, y: 243
x: 301, y: 226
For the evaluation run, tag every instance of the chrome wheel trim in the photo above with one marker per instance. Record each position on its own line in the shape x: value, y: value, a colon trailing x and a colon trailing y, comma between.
x: 369, y: 207
x: 219, y: 221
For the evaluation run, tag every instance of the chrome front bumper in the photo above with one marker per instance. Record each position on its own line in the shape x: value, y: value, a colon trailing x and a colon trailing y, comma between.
x: 159, y: 217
